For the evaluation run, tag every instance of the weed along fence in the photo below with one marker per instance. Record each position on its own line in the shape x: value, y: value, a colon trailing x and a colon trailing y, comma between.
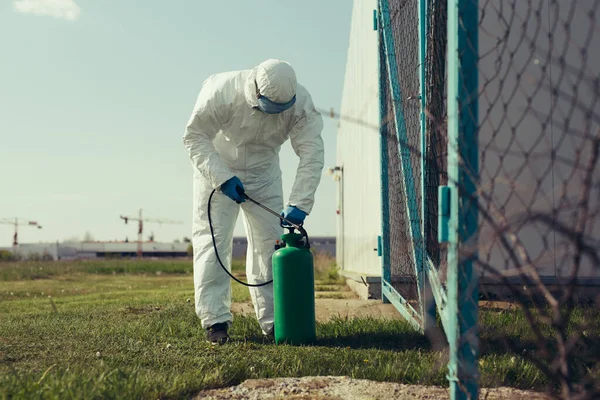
x: 490, y: 139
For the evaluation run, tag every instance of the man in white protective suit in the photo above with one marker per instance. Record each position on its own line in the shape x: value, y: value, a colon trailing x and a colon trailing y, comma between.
x: 233, y: 137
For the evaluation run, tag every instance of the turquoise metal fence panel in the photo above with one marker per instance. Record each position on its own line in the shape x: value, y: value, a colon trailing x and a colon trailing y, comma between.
x: 419, y: 166
x: 427, y: 298
x: 403, y: 135
x: 451, y: 166
x: 463, y: 170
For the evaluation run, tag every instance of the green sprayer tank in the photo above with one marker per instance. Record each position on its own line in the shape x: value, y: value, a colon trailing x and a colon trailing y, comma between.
x: 294, y: 291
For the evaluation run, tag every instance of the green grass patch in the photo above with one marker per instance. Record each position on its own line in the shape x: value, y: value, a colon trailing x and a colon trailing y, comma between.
x: 97, y: 291
x: 134, y: 334
x: 28, y: 270
x: 148, y: 343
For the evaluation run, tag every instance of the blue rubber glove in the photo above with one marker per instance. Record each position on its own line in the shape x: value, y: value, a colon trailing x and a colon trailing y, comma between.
x: 233, y: 188
x: 294, y: 215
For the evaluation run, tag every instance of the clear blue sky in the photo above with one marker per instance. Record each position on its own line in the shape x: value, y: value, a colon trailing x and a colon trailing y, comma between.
x: 95, y: 95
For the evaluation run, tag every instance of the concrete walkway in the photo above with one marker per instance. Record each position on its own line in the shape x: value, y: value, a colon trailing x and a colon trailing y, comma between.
x: 337, y: 301
x: 341, y: 388
x: 329, y: 308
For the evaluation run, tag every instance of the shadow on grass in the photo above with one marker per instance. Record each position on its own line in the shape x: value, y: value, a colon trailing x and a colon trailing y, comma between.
x: 380, y: 341
x: 589, y: 352
x: 587, y: 349
x: 394, y: 335
x: 352, y: 333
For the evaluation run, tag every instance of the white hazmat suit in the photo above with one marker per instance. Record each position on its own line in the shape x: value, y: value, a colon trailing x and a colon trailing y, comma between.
x: 226, y: 136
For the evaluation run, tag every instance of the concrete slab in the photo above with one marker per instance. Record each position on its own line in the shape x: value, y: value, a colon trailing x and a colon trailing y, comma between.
x: 338, y: 388
x: 327, y: 309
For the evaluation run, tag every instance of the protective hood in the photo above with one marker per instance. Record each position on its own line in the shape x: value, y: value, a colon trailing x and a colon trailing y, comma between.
x: 273, y: 80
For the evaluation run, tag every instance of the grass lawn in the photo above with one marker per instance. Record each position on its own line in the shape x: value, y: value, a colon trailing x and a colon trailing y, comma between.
x: 127, y: 329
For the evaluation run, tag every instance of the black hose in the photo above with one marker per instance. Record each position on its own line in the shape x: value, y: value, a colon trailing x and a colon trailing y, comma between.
x: 217, y: 252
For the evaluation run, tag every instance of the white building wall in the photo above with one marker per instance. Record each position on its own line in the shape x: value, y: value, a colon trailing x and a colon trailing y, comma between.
x: 358, y: 150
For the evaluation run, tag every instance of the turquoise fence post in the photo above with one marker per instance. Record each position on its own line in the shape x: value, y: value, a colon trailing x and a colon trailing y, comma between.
x: 428, y: 301
x: 386, y: 273
x: 463, y: 176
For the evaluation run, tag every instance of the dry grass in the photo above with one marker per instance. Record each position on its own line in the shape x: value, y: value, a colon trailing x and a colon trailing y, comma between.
x: 326, y: 270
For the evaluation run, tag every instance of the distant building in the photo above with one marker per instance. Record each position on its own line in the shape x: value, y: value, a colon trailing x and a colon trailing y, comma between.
x: 319, y: 244
x: 96, y: 250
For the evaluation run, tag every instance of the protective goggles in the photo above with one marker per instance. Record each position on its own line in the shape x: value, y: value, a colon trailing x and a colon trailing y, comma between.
x: 270, y: 107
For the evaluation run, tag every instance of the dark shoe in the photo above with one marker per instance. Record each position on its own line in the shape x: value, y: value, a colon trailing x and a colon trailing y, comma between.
x: 271, y: 334
x: 217, y: 334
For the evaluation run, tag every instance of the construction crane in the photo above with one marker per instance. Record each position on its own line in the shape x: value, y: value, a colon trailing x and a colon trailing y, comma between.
x: 140, y: 219
x: 16, y: 222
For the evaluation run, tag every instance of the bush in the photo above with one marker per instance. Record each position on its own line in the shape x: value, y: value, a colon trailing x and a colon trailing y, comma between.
x: 33, y: 257
x: 6, y: 255
x: 39, y: 257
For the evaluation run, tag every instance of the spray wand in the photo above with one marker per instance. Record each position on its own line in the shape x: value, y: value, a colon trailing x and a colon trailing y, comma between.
x: 291, y: 228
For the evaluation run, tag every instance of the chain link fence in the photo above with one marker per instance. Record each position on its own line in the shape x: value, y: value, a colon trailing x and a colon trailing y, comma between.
x: 435, y: 125
x: 536, y: 179
x: 539, y: 178
x: 521, y: 153
x: 403, y: 183
x: 538, y: 129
